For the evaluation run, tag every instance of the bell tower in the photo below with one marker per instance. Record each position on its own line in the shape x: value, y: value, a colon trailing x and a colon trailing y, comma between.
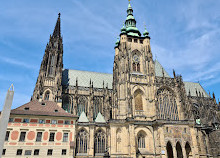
x: 48, y: 85
x: 133, y: 73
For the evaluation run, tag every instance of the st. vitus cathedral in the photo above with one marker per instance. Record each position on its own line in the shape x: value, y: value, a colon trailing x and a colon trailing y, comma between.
x: 138, y: 111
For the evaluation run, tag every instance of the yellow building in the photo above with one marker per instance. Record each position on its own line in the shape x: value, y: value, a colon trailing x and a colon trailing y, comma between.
x: 138, y: 111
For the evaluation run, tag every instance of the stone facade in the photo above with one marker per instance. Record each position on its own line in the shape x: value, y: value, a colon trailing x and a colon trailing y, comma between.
x: 139, y: 111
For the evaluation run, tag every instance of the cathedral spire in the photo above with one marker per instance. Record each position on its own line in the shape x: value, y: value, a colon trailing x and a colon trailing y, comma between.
x: 57, y: 30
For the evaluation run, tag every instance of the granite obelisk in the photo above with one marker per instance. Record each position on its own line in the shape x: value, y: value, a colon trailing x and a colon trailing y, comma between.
x: 5, y: 114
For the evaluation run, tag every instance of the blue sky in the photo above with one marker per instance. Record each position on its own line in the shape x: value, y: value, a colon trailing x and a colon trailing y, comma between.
x: 185, y: 36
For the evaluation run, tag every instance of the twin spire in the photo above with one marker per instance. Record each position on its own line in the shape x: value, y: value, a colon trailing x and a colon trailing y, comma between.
x: 57, y: 29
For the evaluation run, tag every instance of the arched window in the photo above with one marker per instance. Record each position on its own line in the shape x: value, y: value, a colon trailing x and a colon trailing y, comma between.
x: 82, y: 142
x: 100, y: 142
x: 97, y: 103
x: 66, y: 102
x: 167, y: 105
x: 179, y: 150
x: 52, y: 61
x: 47, y: 95
x: 141, y: 140
x: 118, y: 140
x: 138, y: 100
x: 188, y: 150
x: 82, y: 105
x: 169, y: 150
x: 136, y: 63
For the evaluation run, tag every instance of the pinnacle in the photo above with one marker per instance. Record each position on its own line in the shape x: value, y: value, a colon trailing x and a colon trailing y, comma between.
x: 57, y: 31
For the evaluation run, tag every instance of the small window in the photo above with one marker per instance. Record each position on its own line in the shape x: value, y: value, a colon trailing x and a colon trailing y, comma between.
x: 19, y: 152
x: 67, y: 122
x: 22, y: 136
x: 26, y: 108
x: 54, y: 121
x: 52, y: 135
x: 63, y: 151
x: 50, y: 152
x: 135, y: 41
x: 3, y: 151
x: 184, y: 130
x: 65, y: 137
x: 55, y: 110
x: 39, y: 136
x: 7, y: 135
x: 141, y: 41
x: 25, y: 120
x: 27, y: 152
x: 43, y: 103
x: 41, y: 121
x: 36, y: 152
x: 129, y: 40
x: 47, y: 95
x: 167, y: 129
x: 10, y: 120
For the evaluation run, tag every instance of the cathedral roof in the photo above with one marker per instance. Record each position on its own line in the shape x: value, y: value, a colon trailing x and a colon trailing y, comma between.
x: 45, y: 108
x: 84, y: 78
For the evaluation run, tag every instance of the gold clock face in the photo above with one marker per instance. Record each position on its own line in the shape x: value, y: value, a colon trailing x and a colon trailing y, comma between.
x: 136, y: 59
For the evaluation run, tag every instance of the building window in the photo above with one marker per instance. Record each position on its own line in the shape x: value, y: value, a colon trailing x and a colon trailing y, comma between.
x: 184, y: 130
x: 100, y: 142
x: 97, y: 103
x: 138, y: 100
x: 26, y: 108
x: 41, y: 121
x: 141, y: 41
x: 25, y: 120
x: 27, y: 152
x: 136, y: 63
x: 22, y: 136
x: 54, y: 121
x: 66, y: 103
x: 10, y: 120
x: 47, y: 95
x: 36, y: 152
x: 67, y: 122
x: 167, y: 129
x: 50, y: 152
x: 141, y: 140
x: 65, y: 137
x: 52, y: 135
x: 135, y: 41
x: 39, y: 136
x: 19, y: 152
x: 82, y: 105
x: 63, y: 151
x: 7, y: 135
x: 167, y: 106
x: 3, y: 151
x: 82, y: 142
x: 129, y: 40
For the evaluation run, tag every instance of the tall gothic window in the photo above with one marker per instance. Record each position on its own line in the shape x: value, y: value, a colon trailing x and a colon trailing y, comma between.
x: 97, y: 103
x: 82, y: 142
x: 47, y: 95
x: 169, y: 150
x: 66, y: 102
x: 138, y: 100
x: 100, y: 142
x: 141, y: 140
x: 136, y: 63
x: 82, y: 105
x: 167, y: 105
x: 52, y: 60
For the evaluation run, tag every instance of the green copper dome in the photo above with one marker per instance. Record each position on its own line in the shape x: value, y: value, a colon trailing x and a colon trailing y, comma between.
x: 123, y: 29
x: 146, y: 33
x: 117, y: 42
x: 130, y: 23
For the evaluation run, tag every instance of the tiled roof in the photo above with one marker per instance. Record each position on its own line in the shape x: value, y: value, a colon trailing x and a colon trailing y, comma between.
x: 46, y: 108
x: 83, y: 77
x: 159, y: 70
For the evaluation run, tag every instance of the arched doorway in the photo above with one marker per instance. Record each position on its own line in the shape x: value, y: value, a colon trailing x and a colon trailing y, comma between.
x: 169, y: 150
x: 188, y: 150
x: 179, y: 150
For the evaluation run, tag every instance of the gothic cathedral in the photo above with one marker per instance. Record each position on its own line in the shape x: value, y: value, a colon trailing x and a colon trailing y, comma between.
x: 138, y: 111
